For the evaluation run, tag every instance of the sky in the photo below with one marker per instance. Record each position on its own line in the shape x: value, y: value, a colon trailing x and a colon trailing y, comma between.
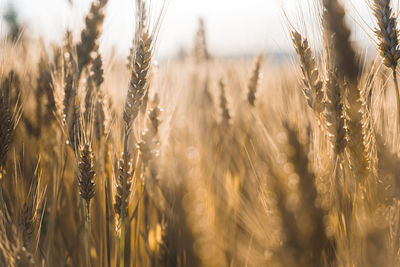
x: 232, y: 26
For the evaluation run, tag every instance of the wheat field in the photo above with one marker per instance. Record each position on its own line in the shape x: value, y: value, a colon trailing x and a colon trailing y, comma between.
x: 201, y: 161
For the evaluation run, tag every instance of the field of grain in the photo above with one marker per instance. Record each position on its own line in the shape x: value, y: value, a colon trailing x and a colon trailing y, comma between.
x: 201, y: 160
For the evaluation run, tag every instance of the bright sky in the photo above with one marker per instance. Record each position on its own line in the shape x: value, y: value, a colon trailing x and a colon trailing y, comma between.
x: 233, y: 26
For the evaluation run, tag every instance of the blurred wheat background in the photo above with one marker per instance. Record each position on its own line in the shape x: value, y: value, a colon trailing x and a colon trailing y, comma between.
x: 128, y: 138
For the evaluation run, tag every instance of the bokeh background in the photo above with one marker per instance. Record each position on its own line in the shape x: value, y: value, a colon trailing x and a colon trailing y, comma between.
x: 234, y: 27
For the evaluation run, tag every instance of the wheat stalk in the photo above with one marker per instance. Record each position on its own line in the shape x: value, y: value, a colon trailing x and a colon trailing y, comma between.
x: 346, y: 63
x: 313, y: 90
x: 45, y: 83
x: 93, y: 103
x: 334, y: 115
x: 138, y: 86
x: 86, y: 174
x: 253, y: 83
x: 149, y: 140
x: 200, y: 50
x: 344, y: 57
x: 90, y: 33
x: 71, y: 108
x: 388, y: 43
x: 99, y: 118
x: 6, y: 123
x: 89, y: 98
x: 223, y: 102
x: 139, y: 77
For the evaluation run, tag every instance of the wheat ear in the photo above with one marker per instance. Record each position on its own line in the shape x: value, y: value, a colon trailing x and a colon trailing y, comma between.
x: 338, y: 32
x: 223, y: 102
x: 138, y: 85
x: 149, y: 137
x: 6, y: 122
x: 313, y: 90
x: 90, y: 33
x: 71, y: 108
x: 388, y: 43
x: 86, y: 174
x: 201, y: 53
x: 347, y: 65
x: 253, y: 83
x: 334, y: 115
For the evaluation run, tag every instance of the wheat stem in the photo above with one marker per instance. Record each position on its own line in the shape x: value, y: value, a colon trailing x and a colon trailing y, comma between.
x: 396, y: 85
x: 85, y: 234
x: 107, y: 207
x: 3, y: 207
x: 122, y: 240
